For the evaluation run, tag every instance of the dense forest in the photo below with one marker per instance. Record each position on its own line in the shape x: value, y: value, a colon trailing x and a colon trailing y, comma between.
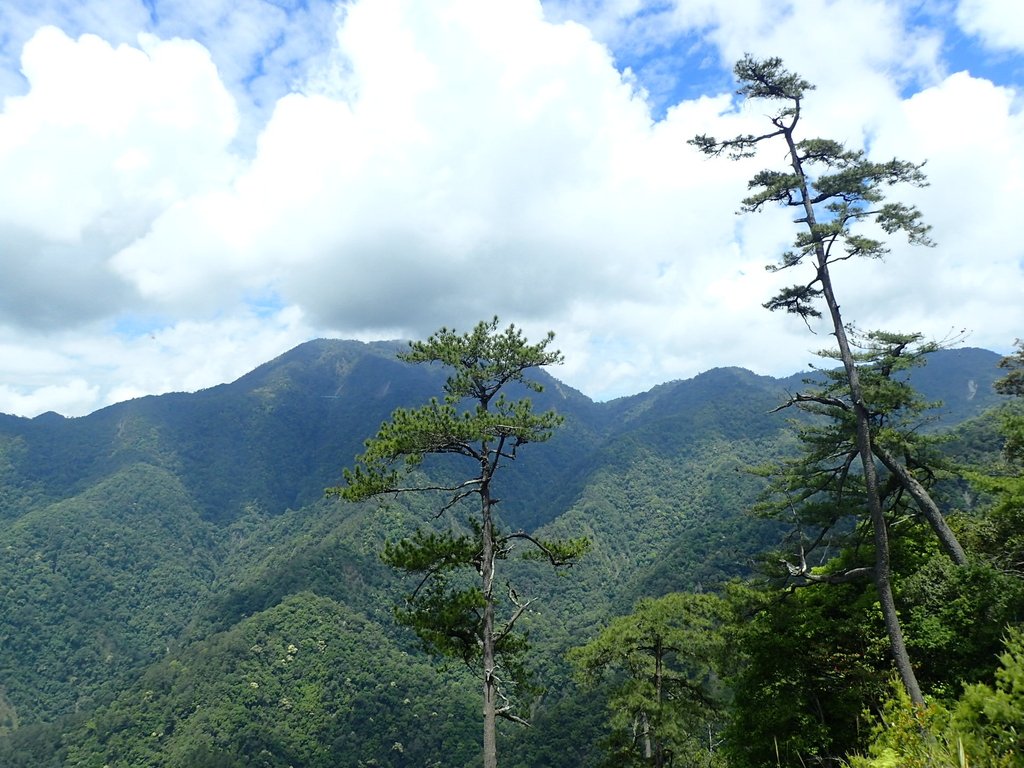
x: 178, y: 591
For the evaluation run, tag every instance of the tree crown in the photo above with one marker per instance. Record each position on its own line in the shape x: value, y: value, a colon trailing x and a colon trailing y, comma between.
x: 474, y: 420
x: 834, y: 188
x: 483, y: 360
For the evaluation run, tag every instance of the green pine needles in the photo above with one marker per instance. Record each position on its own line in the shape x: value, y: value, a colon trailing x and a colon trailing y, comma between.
x: 832, y: 187
x: 459, y: 608
x: 490, y: 430
x: 836, y: 192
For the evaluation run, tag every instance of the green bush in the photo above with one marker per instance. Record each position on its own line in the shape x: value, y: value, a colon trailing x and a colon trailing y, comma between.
x: 983, y: 729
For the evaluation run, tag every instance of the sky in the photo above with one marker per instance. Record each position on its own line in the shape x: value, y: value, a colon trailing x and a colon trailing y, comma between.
x: 189, y: 188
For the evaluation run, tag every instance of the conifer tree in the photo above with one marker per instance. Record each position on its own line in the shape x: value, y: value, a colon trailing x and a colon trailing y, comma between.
x: 835, y: 190
x: 1004, y: 480
x: 662, y: 659
x: 454, y: 607
x: 1012, y: 384
x: 818, y: 489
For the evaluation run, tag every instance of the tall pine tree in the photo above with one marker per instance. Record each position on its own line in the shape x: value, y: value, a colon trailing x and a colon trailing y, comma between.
x: 454, y: 607
x: 835, y: 190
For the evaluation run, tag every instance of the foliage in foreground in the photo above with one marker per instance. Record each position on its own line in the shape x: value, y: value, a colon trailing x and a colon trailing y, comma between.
x: 984, y: 728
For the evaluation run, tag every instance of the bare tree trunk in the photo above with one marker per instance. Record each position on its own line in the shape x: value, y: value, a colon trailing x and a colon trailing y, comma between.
x: 645, y: 726
x: 924, y: 502
x: 489, y: 681
x: 659, y: 749
x: 883, y: 569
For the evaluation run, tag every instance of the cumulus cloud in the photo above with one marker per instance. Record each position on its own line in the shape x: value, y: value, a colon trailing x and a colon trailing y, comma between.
x: 71, y: 396
x: 75, y: 371
x: 261, y: 49
x: 971, y: 133
x: 117, y: 21
x: 441, y: 162
x: 104, y: 141
x: 463, y: 178
x: 826, y: 40
x: 460, y: 162
x: 998, y: 23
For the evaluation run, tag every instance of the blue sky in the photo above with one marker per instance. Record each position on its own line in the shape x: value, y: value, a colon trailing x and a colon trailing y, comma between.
x: 188, y: 189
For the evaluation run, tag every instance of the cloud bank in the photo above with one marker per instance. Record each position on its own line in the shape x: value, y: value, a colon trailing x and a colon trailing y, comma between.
x: 180, y: 205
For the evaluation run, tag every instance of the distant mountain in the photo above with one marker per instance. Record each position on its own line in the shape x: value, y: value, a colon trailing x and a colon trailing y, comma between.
x: 162, y: 555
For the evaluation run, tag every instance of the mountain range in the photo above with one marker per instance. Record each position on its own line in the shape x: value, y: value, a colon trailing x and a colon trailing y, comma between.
x: 176, y: 590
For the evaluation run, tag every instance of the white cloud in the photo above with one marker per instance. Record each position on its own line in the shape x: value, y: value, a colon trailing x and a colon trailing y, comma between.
x: 78, y: 370
x: 102, y: 126
x: 825, y: 40
x: 972, y: 135
x: 262, y: 49
x: 999, y: 23
x: 105, y: 139
x: 202, y: 354
x: 75, y: 396
x: 117, y: 21
x: 446, y: 161
x: 456, y: 149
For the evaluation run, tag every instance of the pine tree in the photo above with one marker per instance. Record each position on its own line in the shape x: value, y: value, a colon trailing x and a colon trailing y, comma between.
x: 835, y: 190
x: 453, y: 615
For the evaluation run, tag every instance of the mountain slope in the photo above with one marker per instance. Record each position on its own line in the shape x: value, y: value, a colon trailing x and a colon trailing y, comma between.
x: 145, y: 544
x: 96, y: 587
x: 307, y: 682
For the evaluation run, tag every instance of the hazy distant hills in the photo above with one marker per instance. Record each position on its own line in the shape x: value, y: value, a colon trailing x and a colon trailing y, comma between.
x: 163, y: 555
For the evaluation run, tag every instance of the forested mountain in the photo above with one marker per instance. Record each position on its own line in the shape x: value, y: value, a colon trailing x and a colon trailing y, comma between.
x: 175, y: 590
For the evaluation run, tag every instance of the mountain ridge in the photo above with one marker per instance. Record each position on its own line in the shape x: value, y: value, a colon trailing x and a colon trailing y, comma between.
x: 155, y: 536
x: 324, y: 397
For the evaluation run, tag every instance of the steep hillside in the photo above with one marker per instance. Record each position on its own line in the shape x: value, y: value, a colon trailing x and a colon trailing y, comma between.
x: 150, y: 546
x: 96, y: 587
x: 307, y: 682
